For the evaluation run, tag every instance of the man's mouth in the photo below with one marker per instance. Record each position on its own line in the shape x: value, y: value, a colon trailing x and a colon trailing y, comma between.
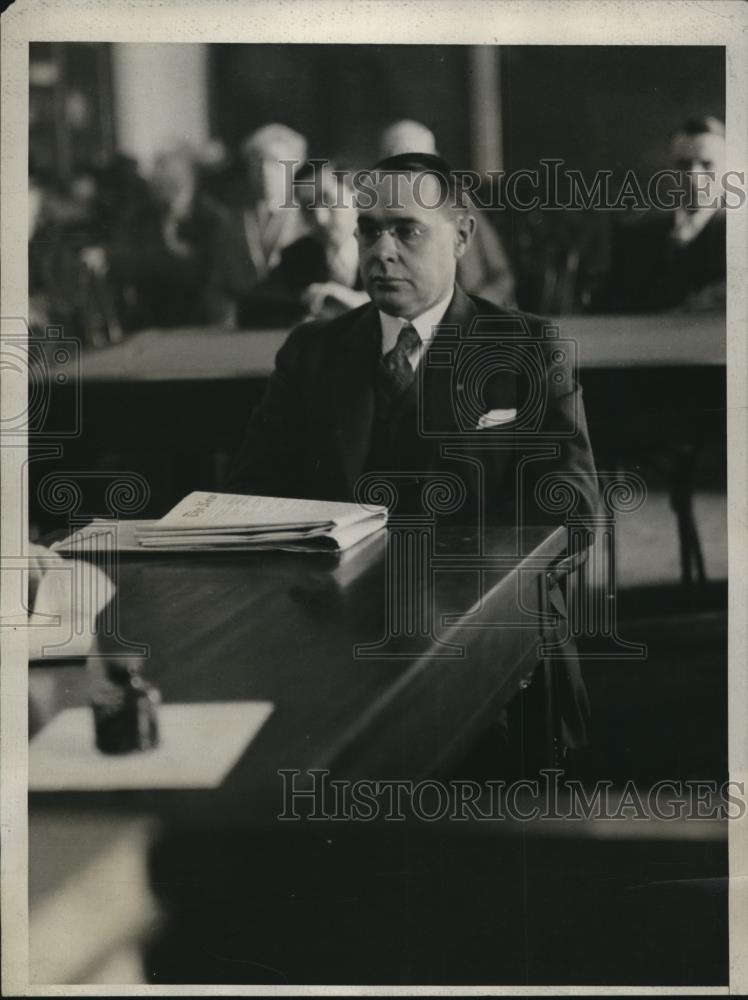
x: 386, y: 282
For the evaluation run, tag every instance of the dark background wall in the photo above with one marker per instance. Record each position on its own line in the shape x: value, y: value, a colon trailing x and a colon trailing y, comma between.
x: 605, y: 107
x: 608, y: 107
x: 596, y: 107
x: 341, y: 96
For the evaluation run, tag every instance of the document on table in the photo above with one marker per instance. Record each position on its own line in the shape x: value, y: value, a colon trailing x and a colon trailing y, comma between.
x: 220, y: 521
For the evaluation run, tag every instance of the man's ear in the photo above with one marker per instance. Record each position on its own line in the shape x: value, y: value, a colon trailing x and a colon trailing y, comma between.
x: 464, y: 233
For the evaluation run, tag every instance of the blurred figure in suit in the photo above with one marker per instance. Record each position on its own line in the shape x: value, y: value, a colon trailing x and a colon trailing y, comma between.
x: 677, y: 258
x: 262, y: 222
x: 485, y: 269
x: 318, y: 275
x: 164, y: 255
x: 67, y: 268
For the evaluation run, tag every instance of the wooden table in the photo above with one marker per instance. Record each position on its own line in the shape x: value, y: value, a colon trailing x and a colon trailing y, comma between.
x: 301, y: 631
x: 186, y: 355
x: 252, y: 900
x: 172, y: 405
x: 285, y: 628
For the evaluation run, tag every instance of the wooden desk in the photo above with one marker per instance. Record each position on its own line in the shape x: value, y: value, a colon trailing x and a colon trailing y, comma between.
x: 187, y: 355
x: 172, y: 404
x: 256, y: 900
x: 281, y: 627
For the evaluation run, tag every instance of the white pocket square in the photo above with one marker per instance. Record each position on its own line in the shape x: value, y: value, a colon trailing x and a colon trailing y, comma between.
x: 496, y: 417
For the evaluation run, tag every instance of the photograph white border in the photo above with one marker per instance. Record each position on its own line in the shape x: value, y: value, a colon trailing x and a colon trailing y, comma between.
x: 537, y: 22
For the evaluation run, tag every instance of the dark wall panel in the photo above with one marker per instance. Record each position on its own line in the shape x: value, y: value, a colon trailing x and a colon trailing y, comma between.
x: 603, y: 107
x: 341, y: 96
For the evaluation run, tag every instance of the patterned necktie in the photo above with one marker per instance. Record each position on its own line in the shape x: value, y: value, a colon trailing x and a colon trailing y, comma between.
x: 395, y: 366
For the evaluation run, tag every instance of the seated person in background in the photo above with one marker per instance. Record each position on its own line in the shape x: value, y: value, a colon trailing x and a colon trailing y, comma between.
x: 677, y: 259
x: 260, y: 226
x: 164, y: 256
x: 67, y: 283
x: 318, y: 275
x: 485, y: 269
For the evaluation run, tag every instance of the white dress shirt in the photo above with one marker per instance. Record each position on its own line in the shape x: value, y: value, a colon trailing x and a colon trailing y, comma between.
x: 688, y: 225
x: 424, y: 325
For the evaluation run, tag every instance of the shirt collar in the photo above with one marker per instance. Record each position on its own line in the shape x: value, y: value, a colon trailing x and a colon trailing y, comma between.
x: 689, y: 224
x: 424, y: 324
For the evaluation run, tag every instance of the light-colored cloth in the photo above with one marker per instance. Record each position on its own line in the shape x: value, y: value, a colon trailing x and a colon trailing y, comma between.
x: 68, y: 595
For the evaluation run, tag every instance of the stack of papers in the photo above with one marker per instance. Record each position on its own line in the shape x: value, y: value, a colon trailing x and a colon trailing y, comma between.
x: 209, y: 522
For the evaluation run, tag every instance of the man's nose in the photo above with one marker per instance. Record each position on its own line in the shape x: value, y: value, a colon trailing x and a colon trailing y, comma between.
x: 385, y: 247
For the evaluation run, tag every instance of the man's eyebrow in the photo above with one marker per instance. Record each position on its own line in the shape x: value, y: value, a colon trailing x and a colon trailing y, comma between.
x: 368, y: 215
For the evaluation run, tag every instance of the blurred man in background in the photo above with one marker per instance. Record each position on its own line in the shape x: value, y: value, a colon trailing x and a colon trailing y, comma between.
x: 164, y: 256
x: 677, y: 258
x: 68, y: 283
x: 318, y: 274
x: 261, y: 227
x: 485, y: 269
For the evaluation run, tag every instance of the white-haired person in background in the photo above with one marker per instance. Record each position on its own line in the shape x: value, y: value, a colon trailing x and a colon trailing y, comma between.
x: 263, y: 224
x: 485, y: 269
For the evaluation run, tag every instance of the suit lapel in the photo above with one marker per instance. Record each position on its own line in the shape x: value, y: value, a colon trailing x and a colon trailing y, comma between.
x: 453, y: 406
x: 436, y: 379
x: 353, y: 402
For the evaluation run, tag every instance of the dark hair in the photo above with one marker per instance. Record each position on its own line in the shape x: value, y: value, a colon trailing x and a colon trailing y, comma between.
x: 700, y: 124
x: 426, y: 163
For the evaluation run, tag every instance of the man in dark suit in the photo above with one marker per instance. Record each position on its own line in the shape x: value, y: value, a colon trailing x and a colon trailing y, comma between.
x: 164, y: 254
x: 370, y: 392
x: 347, y: 396
x: 676, y: 259
x: 318, y: 275
x: 345, y: 399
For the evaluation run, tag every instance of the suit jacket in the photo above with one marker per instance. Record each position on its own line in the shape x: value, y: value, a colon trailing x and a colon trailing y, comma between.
x: 311, y: 434
x: 310, y: 437
x: 170, y: 289
x: 277, y: 301
x: 244, y: 260
x: 651, y: 272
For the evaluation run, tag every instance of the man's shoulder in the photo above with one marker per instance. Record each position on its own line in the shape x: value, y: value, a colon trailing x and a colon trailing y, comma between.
x: 501, y: 319
x: 318, y: 333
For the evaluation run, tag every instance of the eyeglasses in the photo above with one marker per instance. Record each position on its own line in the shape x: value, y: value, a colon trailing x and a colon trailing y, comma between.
x: 407, y: 234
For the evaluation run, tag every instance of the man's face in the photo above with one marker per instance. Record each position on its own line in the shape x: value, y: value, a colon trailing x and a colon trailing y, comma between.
x: 412, y: 268
x: 697, y: 157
